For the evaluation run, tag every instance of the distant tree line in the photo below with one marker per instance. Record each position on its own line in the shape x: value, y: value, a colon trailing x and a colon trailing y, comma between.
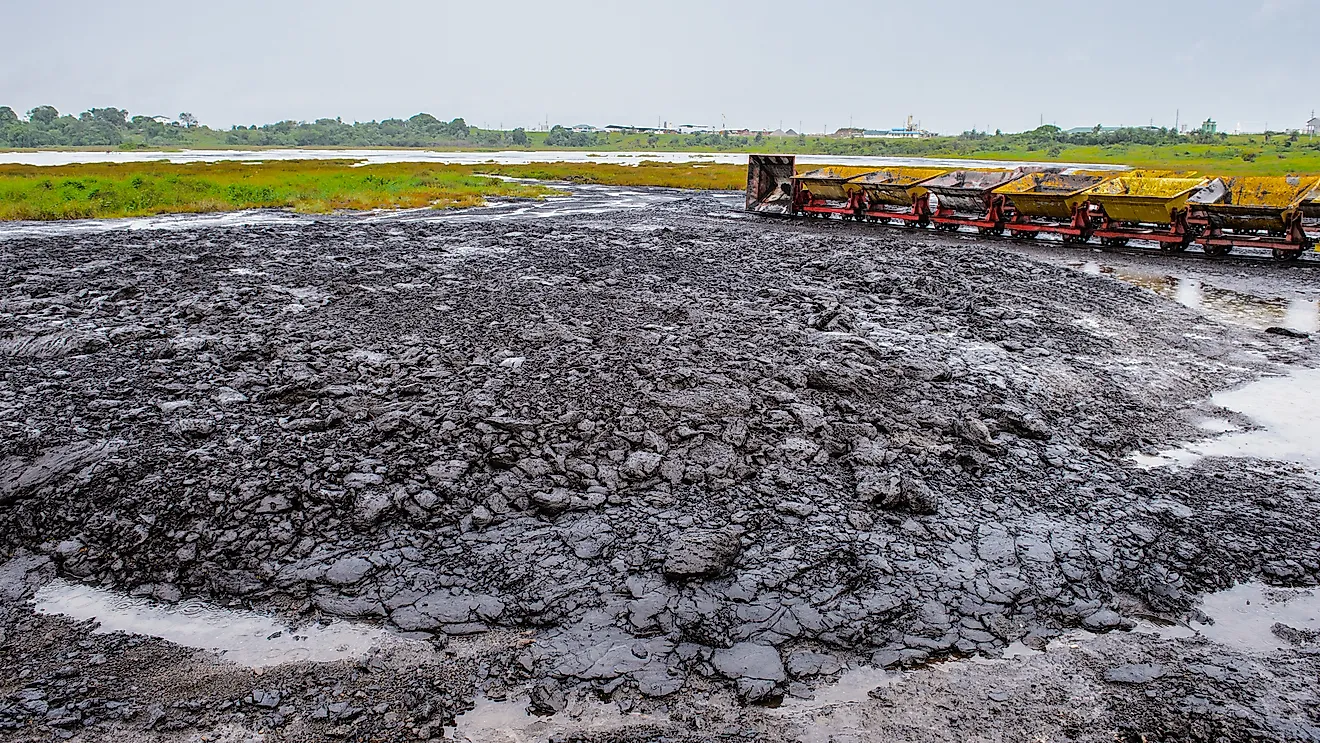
x: 44, y: 126
x: 112, y: 127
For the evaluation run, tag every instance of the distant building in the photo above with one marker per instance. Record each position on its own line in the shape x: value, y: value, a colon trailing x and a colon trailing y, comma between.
x: 1313, y: 126
x: 897, y: 132
x: 585, y: 128
x: 694, y: 129
x: 910, y: 131
x: 1209, y: 126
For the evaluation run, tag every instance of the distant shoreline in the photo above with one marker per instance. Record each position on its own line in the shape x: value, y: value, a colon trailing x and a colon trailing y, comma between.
x: 1231, y: 158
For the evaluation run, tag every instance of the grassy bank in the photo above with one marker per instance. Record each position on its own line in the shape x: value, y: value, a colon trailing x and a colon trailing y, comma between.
x: 311, y: 186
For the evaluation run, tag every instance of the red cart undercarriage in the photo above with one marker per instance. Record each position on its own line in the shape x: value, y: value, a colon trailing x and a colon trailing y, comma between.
x: 1185, y: 227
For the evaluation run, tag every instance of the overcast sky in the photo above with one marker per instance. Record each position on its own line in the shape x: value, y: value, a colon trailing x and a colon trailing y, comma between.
x: 953, y: 64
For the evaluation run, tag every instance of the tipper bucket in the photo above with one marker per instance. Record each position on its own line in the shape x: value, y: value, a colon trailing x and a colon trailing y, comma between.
x: 1255, y: 203
x: 1050, y: 195
x: 895, y: 186
x: 1311, y: 204
x: 1145, y: 200
x: 966, y: 191
x: 830, y: 183
x: 770, y: 184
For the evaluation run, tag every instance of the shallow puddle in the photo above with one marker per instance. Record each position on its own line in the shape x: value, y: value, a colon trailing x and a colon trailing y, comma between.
x: 1244, y: 615
x: 1241, y: 618
x: 854, y: 685
x: 1287, y: 411
x: 244, y: 637
x: 509, y: 721
x: 1223, y: 305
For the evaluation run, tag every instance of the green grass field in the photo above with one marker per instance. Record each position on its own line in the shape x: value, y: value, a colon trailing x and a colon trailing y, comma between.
x: 312, y: 186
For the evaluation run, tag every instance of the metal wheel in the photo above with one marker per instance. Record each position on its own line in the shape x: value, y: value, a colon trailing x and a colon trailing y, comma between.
x: 1286, y: 256
x: 1114, y: 242
x: 1023, y: 234
x: 1218, y: 251
x: 1173, y: 247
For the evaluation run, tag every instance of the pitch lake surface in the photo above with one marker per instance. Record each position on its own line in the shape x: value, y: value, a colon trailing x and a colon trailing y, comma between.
x: 1276, y: 417
x: 1283, y: 412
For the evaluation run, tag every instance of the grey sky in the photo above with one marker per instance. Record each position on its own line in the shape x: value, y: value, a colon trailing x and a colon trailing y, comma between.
x: 954, y: 64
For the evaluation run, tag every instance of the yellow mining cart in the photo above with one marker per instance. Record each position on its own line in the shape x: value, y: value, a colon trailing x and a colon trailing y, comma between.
x: 1257, y: 203
x: 1051, y: 195
x: 1253, y: 211
x: 827, y: 191
x: 1051, y: 202
x: 1155, y: 208
x: 895, y: 186
x: 831, y: 183
x: 1144, y: 200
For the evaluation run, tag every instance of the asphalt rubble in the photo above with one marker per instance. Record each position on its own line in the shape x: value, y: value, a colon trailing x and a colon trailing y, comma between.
x: 683, y: 463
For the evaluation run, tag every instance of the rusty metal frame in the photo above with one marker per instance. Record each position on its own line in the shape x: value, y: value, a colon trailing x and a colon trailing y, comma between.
x: 919, y: 214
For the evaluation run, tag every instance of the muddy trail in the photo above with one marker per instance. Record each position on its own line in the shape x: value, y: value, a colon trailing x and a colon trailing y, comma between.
x: 664, y: 474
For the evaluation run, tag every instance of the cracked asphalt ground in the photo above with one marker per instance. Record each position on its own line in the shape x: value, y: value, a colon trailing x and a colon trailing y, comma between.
x: 687, y: 466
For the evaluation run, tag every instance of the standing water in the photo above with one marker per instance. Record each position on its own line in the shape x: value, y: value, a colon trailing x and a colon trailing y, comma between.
x: 1285, y: 409
x: 244, y: 637
x: 1220, y: 304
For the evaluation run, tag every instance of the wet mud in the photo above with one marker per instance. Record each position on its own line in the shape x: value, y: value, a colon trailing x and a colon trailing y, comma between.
x: 653, y: 474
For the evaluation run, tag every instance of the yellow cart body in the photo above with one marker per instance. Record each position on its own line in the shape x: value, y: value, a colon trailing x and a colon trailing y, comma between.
x: 1257, y: 202
x: 895, y: 186
x: 1051, y: 195
x: 831, y: 182
x: 1146, y: 200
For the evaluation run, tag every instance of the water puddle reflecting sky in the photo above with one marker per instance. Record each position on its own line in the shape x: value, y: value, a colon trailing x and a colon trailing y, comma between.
x: 1244, y: 615
x: 1216, y: 303
x: 244, y: 637
x: 509, y: 721
x: 1286, y: 410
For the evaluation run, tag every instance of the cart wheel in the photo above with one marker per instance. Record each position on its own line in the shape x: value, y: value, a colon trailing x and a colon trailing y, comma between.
x: 1173, y: 247
x: 1286, y: 256
x: 1219, y: 251
x: 1114, y: 242
x: 1023, y: 234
